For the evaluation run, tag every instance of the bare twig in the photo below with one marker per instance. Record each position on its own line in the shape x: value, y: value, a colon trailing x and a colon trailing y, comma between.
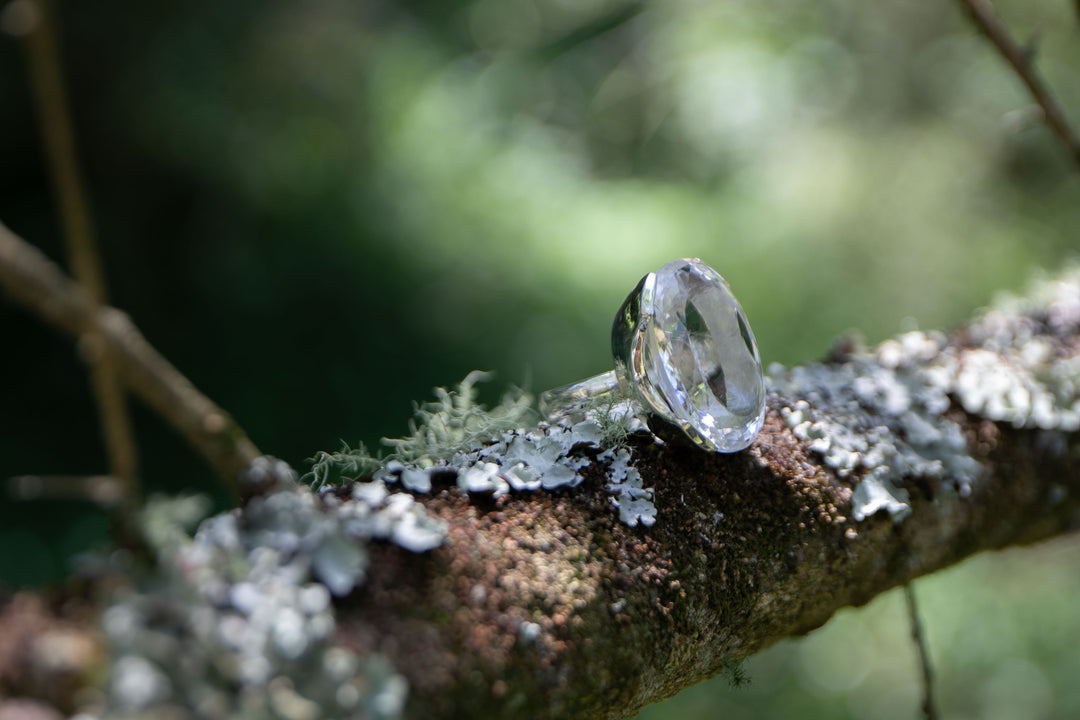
x: 982, y: 14
x: 58, y: 139
x: 929, y: 707
x: 105, y: 490
x: 34, y: 281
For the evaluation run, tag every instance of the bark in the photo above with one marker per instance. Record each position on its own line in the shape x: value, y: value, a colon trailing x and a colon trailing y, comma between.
x: 545, y: 604
x: 749, y: 548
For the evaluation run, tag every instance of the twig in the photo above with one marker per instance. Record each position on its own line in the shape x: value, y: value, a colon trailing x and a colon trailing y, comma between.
x: 983, y: 15
x: 106, y: 490
x: 34, y: 281
x: 929, y: 707
x: 59, y: 142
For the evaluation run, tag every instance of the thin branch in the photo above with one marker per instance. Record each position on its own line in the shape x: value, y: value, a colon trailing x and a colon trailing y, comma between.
x: 929, y: 706
x: 982, y: 14
x: 59, y: 141
x: 35, y: 282
x: 105, y: 490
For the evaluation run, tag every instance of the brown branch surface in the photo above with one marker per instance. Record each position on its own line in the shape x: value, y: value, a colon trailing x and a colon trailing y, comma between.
x: 547, y: 605
x: 748, y: 549
x: 982, y: 14
x: 35, y: 282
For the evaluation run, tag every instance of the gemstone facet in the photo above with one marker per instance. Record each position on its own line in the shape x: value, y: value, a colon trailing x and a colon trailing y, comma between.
x: 684, y: 349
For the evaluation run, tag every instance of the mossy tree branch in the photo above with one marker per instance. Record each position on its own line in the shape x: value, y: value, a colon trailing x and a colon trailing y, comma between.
x: 544, y: 604
x: 747, y: 549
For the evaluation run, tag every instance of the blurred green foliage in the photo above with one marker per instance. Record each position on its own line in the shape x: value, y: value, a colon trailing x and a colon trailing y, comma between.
x: 319, y: 211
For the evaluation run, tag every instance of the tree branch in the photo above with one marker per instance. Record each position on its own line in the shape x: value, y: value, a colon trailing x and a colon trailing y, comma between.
x: 871, y: 470
x: 926, y: 669
x: 747, y: 549
x: 59, y: 143
x: 982, y: 14
x: 35, y: 282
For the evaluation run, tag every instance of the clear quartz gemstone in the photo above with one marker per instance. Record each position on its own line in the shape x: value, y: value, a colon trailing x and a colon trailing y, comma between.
x: 683, y: 343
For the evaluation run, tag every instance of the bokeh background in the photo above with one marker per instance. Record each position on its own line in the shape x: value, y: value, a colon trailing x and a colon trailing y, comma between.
x: 320, y: 210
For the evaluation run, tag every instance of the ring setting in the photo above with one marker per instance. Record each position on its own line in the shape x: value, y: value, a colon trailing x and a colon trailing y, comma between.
x: 684, y: 351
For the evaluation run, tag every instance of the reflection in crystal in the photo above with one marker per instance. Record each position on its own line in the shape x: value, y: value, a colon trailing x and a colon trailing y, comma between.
x: 718, y: 385
x: 695, y: 359
x: 683, y: 350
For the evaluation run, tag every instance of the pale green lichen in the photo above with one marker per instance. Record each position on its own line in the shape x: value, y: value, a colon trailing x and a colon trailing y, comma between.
x: 239, y: 620
x: 880, y: 415
x: 494, y: 452
x: 455, y: 422
x: 615, y: 416
x: 334, y: 468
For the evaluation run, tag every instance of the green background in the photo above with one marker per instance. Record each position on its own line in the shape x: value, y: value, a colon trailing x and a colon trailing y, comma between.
x: 320, y: 210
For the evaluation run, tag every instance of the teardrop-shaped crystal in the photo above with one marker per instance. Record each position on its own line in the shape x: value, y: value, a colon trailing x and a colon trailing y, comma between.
x: 683, y: 345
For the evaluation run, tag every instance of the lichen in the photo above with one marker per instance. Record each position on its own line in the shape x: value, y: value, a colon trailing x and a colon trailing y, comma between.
x: 880, y: 416
x: 453, y: 423
x: 548, y: 457
x: 239, y: 621
x: 616, y: 416
x: 492, y: 452
x: 624, y: 482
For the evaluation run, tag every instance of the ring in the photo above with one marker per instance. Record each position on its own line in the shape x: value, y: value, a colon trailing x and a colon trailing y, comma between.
x: 683, y: 350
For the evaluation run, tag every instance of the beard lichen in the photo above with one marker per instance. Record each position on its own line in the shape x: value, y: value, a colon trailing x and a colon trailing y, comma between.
x: 491, y: 452
x: 455, y: 422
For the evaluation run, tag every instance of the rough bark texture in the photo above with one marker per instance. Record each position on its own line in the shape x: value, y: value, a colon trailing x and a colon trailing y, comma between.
x: 749, y: 548
x: 545, y: 604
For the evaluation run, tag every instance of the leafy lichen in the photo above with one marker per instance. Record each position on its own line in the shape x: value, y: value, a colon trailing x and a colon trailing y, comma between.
x: 881, y: 417
x: 239, y: 621
x: 495, y: 451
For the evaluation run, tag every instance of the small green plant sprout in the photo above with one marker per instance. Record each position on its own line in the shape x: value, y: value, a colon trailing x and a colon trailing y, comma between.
x: 735, y: 673
x: 616, y: 417
x: 332, y: 468
x: 455, y: 422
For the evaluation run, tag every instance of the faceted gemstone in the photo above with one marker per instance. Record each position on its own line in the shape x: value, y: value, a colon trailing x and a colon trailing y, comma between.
x: 684, y: 347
